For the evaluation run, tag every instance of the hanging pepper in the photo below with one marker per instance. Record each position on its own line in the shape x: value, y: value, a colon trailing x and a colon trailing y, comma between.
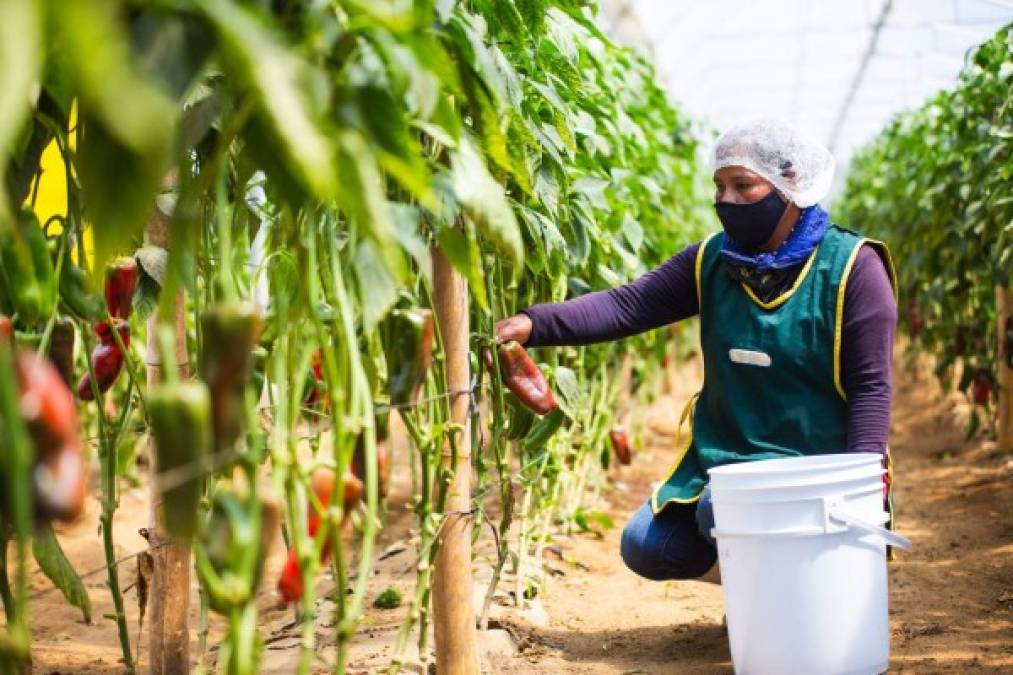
x: 382, y: 430
x: 620, y: 441
x: 106, y: 360
x: 61, y: 349
x: 230, y: 332
x: 180, y: 422
x: 521, y: 418
x: 27, y: 269
x: 981, y: 388
x: 75, y: 291
x: 409, y: 351
x: 382, y: 462
x: 60, y: 479
x: 290, y: 584
x: 543, y: 430
x: 6, y: 329
x: 121, y: 282
x: 226, y: 540
x: 522, y: 377
x: 315, y: 386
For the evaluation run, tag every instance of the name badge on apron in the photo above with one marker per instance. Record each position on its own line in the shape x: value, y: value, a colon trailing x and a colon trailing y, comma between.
x: 749, y: 357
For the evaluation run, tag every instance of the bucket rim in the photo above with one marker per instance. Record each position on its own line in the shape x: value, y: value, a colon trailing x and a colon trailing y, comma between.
x: 797, y: 465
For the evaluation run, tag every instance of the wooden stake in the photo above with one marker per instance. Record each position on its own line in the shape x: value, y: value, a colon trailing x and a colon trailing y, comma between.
x: 453, y: 614
x: 169, y: 604
x: 1004, y: 310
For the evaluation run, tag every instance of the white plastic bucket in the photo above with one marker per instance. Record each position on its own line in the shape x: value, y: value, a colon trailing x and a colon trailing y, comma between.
x: 801, y: 545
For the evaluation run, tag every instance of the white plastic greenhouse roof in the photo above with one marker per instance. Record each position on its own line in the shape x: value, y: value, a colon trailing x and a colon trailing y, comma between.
x: 838, y: 69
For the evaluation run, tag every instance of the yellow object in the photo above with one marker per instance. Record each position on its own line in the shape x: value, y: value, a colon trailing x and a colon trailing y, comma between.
x: 50, y: 189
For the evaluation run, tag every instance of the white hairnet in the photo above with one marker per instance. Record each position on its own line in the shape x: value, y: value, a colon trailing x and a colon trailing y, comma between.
x: 798, y: 166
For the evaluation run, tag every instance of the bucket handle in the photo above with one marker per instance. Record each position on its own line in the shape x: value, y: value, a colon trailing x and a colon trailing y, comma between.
x: 835, y: 519
x: 841, y: 515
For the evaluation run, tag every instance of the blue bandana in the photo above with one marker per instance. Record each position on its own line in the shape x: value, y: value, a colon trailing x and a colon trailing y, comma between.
x: 807, y: 234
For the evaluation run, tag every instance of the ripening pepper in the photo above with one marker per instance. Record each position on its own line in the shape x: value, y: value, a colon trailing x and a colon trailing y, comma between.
x: 409, y: 351
x: 61, y: 349
x: 180, y: 419
x: 59, y: 477
x: 121, y: 282
x: 315, y: 386
x: 981, y: 388
x: 75, y: 291
x: 27, y: 269
x: 290, y: 583
x: 106, y: 360
x: 6, y: 329
x: 230, y: 332
x: 620, y: 441
x: 382, y: 462
x: 521, y: 376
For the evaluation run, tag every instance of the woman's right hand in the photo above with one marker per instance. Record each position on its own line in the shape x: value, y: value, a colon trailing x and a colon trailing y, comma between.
x: 516, y: 327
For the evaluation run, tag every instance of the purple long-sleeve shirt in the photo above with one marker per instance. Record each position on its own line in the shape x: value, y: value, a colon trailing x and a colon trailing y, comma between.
x: 668, y: 293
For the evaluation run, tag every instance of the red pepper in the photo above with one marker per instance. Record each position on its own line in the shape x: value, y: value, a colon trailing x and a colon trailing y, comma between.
x: 48, y: 408
x: 290, y: 584
x: 106, y: 359
x: 621, y: 445
x: 6, y: 329
x: 522, y: 377
x: 315, y: 385
x: 121, y: 282
x: 981, y: 388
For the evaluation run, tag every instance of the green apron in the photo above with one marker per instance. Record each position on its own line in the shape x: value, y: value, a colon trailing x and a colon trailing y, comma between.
x: 772, y: 370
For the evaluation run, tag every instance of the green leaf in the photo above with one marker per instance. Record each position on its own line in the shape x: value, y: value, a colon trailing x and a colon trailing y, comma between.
x: 567, y: 387
x: 54, y: 564
x: 279, y: 81
x: 362, y: 196
x: 20, y: 61
x: 120, y: 186
x: 464, y: 255
x: 482, y: 199
x: 134, y: 110
x: 378, y: 288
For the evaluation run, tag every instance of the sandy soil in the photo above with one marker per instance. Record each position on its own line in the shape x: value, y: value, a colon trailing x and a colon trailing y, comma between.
x: 951, y: 595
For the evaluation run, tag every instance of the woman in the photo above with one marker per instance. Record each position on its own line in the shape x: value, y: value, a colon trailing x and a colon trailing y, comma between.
x: 797, y: 321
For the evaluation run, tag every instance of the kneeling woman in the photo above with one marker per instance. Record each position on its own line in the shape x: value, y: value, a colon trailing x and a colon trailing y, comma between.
x: 797, y: 319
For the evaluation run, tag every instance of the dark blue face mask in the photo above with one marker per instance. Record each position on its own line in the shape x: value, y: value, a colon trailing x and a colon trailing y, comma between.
x: 752, y: 225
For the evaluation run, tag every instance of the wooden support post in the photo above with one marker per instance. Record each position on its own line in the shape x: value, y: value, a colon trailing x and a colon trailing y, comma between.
x: 1004, y: 310
x: 453, y: 614
x: 169, y: 604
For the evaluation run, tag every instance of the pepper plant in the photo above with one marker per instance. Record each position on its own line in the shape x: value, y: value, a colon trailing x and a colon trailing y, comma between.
x: 308, y: 155
x: 936, y: 185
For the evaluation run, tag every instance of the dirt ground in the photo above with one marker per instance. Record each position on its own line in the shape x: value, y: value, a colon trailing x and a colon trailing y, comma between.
x: 951, y: 594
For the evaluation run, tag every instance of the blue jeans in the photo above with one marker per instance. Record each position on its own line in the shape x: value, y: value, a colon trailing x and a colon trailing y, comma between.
x: 674, y: 544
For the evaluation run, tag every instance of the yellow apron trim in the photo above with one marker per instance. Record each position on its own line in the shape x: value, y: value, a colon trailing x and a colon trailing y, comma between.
x: 698, y: 269
x: 687, y: 412
x: 884, y: 253
x: 891, y: 552
x: 783, y: 298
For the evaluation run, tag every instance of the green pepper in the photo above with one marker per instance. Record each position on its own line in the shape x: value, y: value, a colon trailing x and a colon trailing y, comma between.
x: 27, y: 269
x: 543, y: 430
x: 230, y: 332
x: 77, y: 296
x: 521, y: 418
x: 233, y: 546
x: 409, y: 351
x: 180, y: 420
